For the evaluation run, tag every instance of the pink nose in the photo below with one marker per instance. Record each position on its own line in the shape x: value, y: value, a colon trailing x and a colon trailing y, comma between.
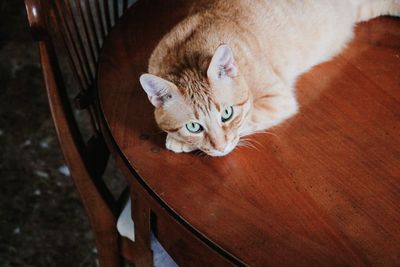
x: 221, y: 147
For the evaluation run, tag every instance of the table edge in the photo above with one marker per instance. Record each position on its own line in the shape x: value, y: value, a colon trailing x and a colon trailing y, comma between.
x: 117, y: 153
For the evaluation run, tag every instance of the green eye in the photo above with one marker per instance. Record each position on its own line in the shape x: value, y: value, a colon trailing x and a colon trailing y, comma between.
x: 227, y: 114
x: 194, y: 127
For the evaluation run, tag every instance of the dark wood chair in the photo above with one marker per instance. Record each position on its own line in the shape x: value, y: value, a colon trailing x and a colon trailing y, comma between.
x: 71, y: 33
x: 323, y: 191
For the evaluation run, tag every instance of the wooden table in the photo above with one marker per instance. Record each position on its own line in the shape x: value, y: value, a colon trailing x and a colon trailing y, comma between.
x: 321, y: 189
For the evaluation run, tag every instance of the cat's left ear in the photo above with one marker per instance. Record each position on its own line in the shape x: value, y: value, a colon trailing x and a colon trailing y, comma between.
x: 222, y: 64
x: 159, y: 90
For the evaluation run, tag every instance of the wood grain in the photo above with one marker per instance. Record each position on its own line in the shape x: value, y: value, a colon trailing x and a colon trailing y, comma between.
x: 321, y: 189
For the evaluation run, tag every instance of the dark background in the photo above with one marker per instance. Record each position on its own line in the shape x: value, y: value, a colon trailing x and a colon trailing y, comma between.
x: 42, y: 221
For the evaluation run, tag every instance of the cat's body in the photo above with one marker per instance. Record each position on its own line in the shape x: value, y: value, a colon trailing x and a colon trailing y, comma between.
x: 266, y: 45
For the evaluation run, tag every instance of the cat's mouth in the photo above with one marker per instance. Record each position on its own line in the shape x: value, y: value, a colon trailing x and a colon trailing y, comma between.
x: 228, y: 149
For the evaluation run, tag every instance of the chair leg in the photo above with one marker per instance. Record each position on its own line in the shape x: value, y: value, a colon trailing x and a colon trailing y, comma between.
x: 107, y: 249
x: 141, y: 217
x: 145, y: 258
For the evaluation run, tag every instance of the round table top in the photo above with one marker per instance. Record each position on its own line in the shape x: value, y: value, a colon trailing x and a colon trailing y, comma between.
x: 323, y: 188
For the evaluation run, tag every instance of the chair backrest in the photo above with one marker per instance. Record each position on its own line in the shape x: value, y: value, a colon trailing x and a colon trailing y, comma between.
x: 75, y: 30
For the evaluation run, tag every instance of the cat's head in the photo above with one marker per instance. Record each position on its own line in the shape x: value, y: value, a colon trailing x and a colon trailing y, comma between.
x: 206, y: 111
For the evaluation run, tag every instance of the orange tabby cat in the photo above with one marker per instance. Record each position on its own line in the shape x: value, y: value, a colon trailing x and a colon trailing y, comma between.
x: 229, y: 68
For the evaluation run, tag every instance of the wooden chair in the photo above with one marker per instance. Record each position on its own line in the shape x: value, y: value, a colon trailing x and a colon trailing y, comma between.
x: 77, y: 29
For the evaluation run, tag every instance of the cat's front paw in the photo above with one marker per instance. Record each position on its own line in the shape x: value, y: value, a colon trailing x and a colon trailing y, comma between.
x: 177, y: 146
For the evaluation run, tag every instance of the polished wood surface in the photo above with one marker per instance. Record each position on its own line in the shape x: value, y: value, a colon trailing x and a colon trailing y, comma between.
x: 321, y: 189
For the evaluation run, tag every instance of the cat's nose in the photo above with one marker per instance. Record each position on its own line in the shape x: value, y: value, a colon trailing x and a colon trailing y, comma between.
x: 221, y: 147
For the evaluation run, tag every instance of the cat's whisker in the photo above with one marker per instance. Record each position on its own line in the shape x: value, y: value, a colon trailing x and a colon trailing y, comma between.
x: 252, y: 143
x: 243, y: 141
x: 247, y: 144
x: 242, y: 146
x: 257, y: 142
x: 266, y: 132
x: 246, y: 140
x: 254, y: 147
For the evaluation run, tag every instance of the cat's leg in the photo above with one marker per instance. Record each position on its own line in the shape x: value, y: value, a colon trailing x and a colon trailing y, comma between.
x: 270, y: 110
x: 177, y: 146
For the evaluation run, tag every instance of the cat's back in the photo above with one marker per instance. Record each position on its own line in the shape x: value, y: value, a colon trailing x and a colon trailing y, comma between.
x: 208, y: 24
x: 278, y: 31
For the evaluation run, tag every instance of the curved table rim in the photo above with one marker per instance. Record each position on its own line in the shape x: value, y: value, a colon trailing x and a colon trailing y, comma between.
x: 118, y: 154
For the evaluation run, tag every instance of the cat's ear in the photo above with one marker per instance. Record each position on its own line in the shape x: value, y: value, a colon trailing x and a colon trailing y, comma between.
x: 158, y: 90
x: 222, y: 64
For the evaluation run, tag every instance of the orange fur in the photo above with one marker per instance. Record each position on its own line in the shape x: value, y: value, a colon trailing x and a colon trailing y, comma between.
x: 244, y: 54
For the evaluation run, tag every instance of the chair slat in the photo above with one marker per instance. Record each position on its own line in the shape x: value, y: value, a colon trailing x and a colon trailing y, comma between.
x: 88, y: 38
x: 100, y: 20
x: 70, y: 47
x: 86, y: 64
x: 98, y: 40
x: 115, y: 9
x: 124, y: 5
x: 107, y: 14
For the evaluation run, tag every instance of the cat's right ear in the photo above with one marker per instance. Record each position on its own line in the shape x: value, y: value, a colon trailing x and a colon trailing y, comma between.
x: 158, y: 90
x: 222, y: 64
